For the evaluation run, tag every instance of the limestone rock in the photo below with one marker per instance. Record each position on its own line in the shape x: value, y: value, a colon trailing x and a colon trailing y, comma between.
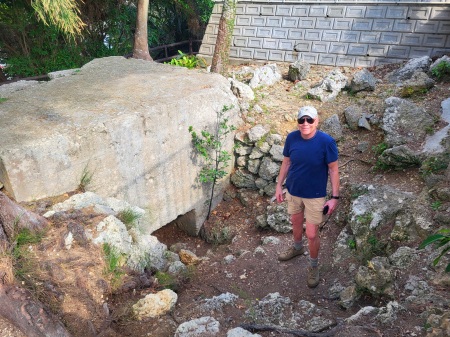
x: 265, y: 76
x: 298, y: 70
x: 188, y: 257
x: 363, y: 80
x: 155, y: 305
x: 200, y: 327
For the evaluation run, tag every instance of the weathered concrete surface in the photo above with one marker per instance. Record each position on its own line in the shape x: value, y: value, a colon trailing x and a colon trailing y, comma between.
x: 123, y: 120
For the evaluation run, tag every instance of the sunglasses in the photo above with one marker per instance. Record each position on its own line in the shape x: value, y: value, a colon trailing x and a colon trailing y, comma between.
x: 303, y: 119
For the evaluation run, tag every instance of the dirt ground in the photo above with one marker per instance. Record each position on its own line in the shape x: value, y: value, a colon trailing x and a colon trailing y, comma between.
x: 78, y: 289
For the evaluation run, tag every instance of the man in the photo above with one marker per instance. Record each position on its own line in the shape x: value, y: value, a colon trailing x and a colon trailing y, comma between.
x: 310, y: 156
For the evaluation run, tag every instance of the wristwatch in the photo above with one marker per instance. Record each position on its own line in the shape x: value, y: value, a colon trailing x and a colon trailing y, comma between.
x: 334, y: 197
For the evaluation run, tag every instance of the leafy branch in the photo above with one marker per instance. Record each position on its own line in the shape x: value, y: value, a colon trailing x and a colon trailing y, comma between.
x: 440, y: 239
x: 211, y: 148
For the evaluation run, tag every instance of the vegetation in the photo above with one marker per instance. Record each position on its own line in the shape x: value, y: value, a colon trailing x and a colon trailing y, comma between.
x: 441, y: 240
x: 85, y: 180
x: 434, y: 165
x: 441, y: 70
x: 128, y: 217
x: 187, y: 61
x: 114, y: 262
x: 210, y: 147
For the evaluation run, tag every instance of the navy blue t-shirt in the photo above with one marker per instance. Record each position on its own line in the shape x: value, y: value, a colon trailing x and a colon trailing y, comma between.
x: 308, y: 173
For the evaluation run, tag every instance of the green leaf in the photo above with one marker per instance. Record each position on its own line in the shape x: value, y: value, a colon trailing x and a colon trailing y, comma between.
x: 430, y: 240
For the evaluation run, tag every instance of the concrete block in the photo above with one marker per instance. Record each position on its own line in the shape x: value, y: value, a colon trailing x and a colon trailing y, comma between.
x: 240, y: 41
x: 411, y: 39
x: 324, y: 23
x: 369, y: 37
x: 240, y: 9
x: 320, y: 47
x: 303, y: 46
x: 290, y: 22
x: 336, y: 11
x: 382, y: 25
x: 246, y: 53
x: 444, y: 27
x: 404, y: 26
x: 264, y: 32
x: 434, y: 40
x: 267, y: 10
x: 419, y: 13
x: 274, y: 21
x: 331, y: 35
x: 442, y: 13
x: 345, y: 61
x: 318, y: 11
x: 244, y: 20
x: 214, y: 18
x: 385, y: 60
x: 283, y: 10
x: 252, y: 9
x: 357, y: 49
x: 280, y: 33
x: 438, y: 52
x: 290, y: 56
x: 343, y: 24
x: 362, y: 24
x: 237, y: 31
x: 310, y: 58
x: 258, y: 21
x: 276, y: 55
x: 254, y: 43
x: 261, y: 54
x: 447, y: 45
x: 427, y: 27
x: 270, y: 43
x: 348, y: 36
x: 210, y: 29
x: 313, y: 34
x: 338, y: 48
x: 307, y: 22
x: 249, y: 31
x: 327, y: 59
x: 296, y: 34
x: 206, y: 49
x: 300, y: 11
x: 355, y: 11
x: 416, y: 52
x: 399, y: 51
x: 396, y: 12
x: 217, y: 9
x: 377, y: 50
x: 376, y: 12
x: 211, y: 39
x: 234, y: 52
x: 364, y: 61
x: 286, y: 45
x: 390, y: 38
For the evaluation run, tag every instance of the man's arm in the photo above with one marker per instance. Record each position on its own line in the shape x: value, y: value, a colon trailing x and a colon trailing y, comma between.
x: 281, y: 177
x: 333, y: 171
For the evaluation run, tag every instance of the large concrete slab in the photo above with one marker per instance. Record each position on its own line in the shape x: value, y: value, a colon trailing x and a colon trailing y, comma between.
x: 126, y: 122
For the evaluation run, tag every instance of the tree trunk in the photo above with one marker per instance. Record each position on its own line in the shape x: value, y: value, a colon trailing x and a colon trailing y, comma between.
x: 14, y: 217
x: 30, y: 316
x: 2, y: 75
x: 140, y: 49
x: 221, y: 54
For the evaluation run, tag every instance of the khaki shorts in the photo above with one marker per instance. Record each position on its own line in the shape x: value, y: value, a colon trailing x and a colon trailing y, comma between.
x: 311, y: 207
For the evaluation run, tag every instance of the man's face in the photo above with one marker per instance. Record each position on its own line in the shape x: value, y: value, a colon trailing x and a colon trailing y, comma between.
x: 307, y: 126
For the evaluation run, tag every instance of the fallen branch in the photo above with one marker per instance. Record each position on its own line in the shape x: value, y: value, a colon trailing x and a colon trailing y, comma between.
x: 298, y: 332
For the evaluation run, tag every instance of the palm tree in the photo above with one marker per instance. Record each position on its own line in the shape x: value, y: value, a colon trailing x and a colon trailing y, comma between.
x: 140, y: 48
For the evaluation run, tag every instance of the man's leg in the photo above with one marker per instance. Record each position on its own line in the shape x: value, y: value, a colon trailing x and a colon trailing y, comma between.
x: 297, y: 230
x: 312, y: 233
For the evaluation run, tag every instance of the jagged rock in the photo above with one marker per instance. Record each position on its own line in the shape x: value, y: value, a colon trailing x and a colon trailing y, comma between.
x: 216, y: 303
x: 256, y: 133
x: 200, y: 327
x: 266, y: 75
x: 278, y: 219
x: 253, y: 166
x: 440, y: 325
x: 276, y: 151
x: 274, y: 139
x: 317, y: 324
x: 270, y: 189
x: 242, y: 90
x: 412, y: 66
x: 378, y: 278
x: 403, y: 257
x: 436, y: 63
x: 341, y: 248
x: 270, y: 240
x: 188, y: 257
x: 242, y: 179
x: 348, y: 297
x: 388, y: 314
x: 330, y: 87
x: 176, y: 268
x: 264, y: 147
x: 256, y: 153
x: 418, y: 84
x: 239, y: 332
x: 335, y: 290
x: 333, y: 127
x: 261, y: 183
x: 298, y: 70
x: 363, y: 80
x: 362, y: 146
x: 272, y: 309
x: 268, y: 169
x: 261, y: 221
x: 352, y: 115
x: 404, y: 122
x: 400, y: 157
x: 155, y: 305
x: 363, y: 122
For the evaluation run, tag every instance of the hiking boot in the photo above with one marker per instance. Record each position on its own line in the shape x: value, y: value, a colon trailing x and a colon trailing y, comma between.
x: 313, y: 277
x: 290, y: 253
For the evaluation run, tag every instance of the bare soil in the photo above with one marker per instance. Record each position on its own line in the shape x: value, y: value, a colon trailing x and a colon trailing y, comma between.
x: 74, y: 285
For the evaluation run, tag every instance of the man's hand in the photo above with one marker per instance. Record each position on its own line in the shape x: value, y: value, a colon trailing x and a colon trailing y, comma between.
x: 332, y: 205
x: 279, y: 193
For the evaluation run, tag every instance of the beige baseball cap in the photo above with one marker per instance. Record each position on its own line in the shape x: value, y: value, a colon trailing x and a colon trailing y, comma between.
x: 307, y: 111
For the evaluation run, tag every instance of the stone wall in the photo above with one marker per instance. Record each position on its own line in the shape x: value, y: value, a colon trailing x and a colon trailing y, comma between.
x: 334, y: 33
